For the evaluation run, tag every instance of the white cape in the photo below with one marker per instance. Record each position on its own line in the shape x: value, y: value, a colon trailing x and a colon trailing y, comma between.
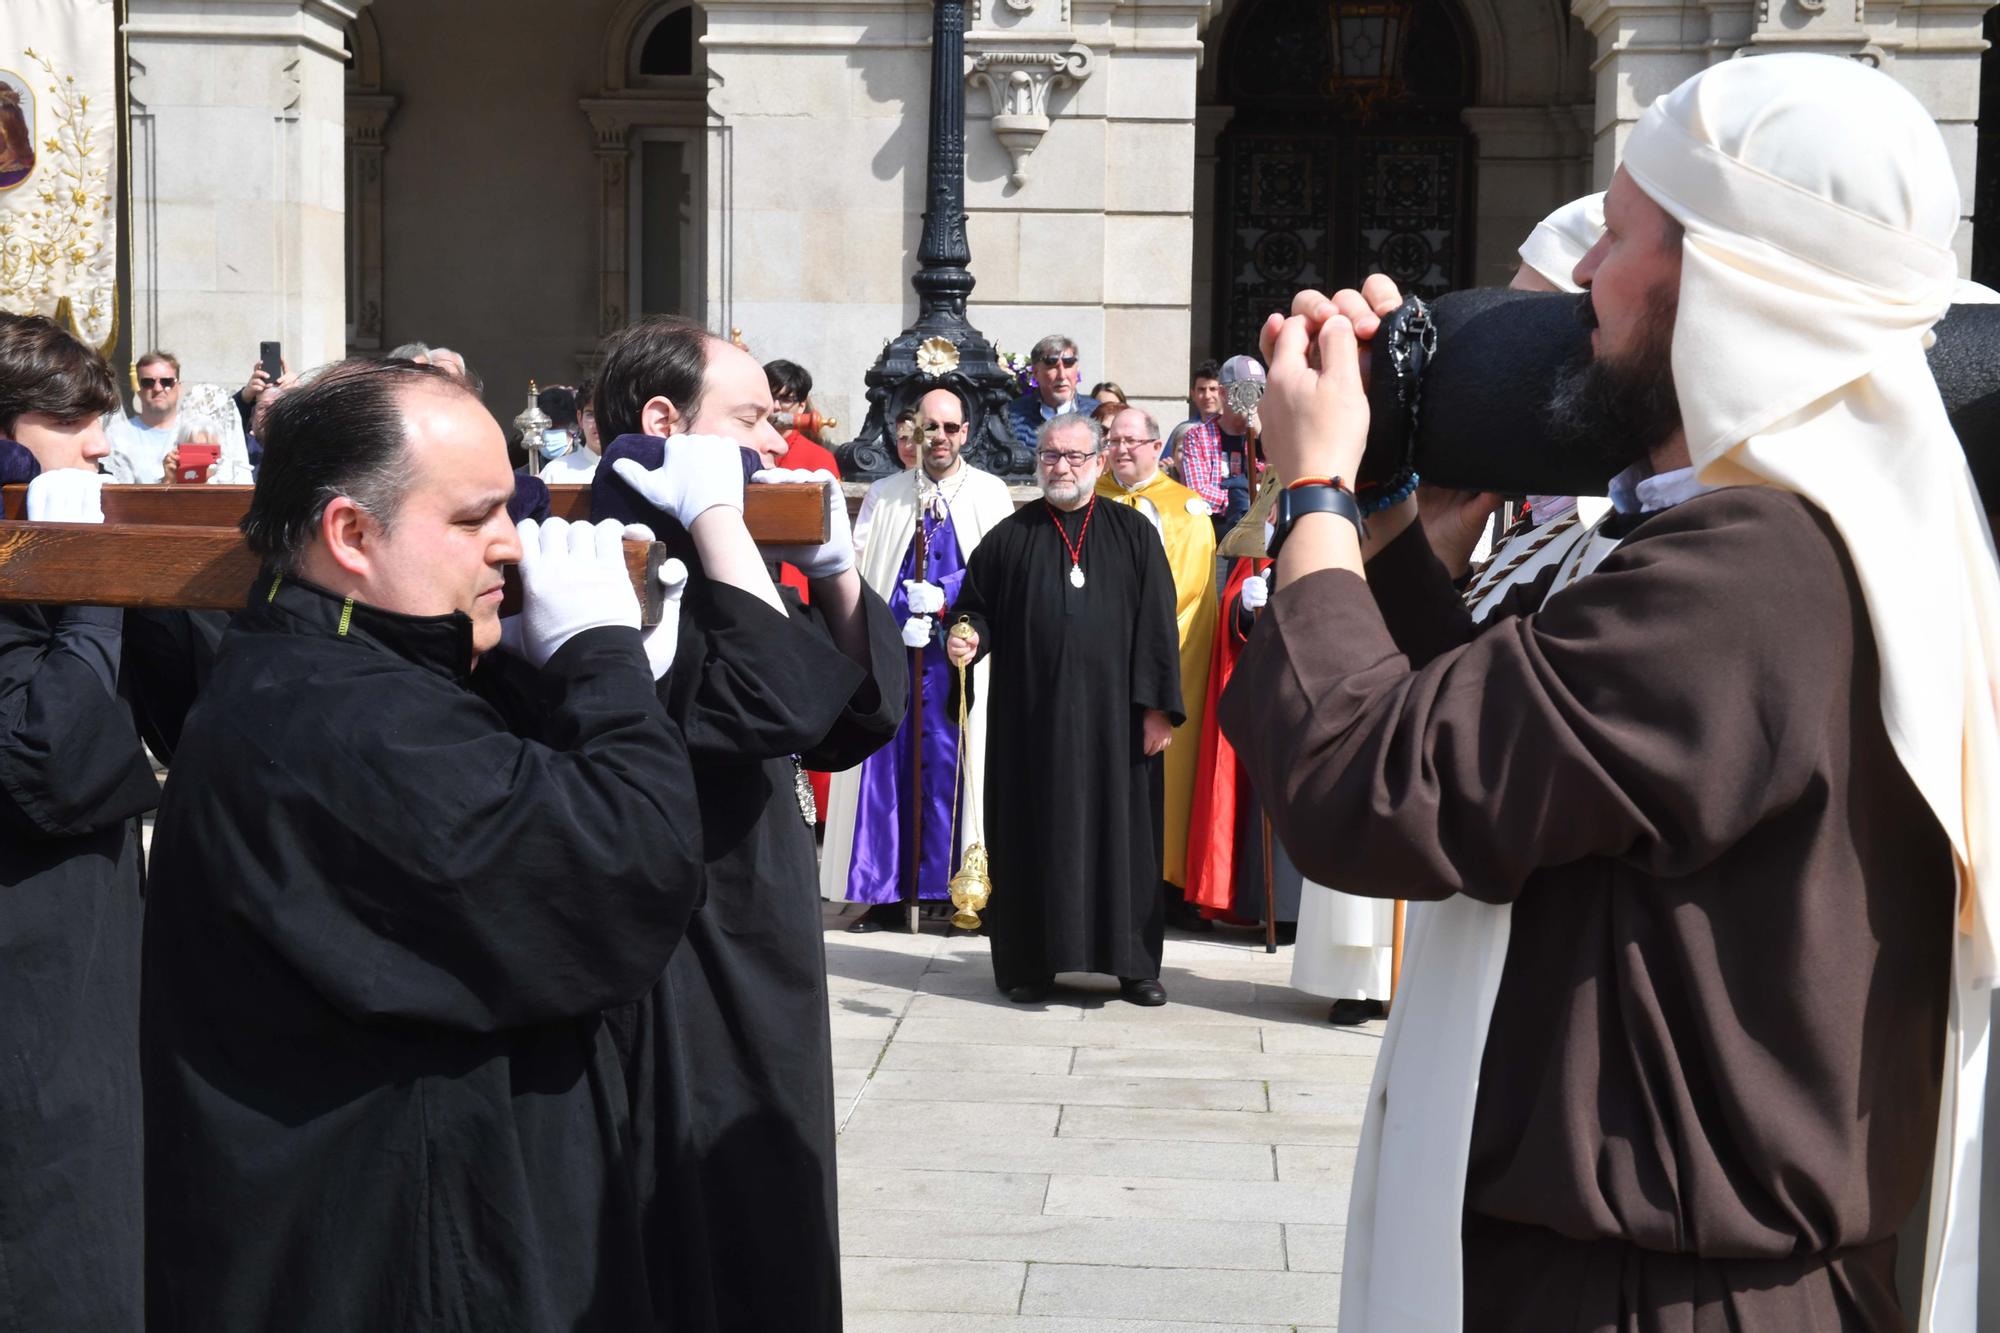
x: 883, y: 532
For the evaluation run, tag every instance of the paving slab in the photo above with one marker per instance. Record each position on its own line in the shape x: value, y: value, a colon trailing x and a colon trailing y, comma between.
x: 1105, y: 1122
x: 956, y: 1286
x: 948, y: 1085
x: 887, y: 1321
x: 961, y: 1057
x: 1347, y: 1070
x: 1002, y: 1030
x: 1311, y: 1248
x: 1217, y: 1295
x: 1222, y: 1200
x: 928, y: 1128
x: 1086, y: 1165
x: 995, y: 1147
x: 866, y: 1185
x: 1148, y: 1243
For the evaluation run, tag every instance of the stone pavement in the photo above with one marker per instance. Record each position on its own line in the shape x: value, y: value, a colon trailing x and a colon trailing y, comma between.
x: 1084, y: 1165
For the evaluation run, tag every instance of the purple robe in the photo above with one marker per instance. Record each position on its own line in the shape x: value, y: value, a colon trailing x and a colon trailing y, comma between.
x: 881, y: 820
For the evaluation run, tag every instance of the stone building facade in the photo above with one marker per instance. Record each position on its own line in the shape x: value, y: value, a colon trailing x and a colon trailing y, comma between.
x: 513, y: 178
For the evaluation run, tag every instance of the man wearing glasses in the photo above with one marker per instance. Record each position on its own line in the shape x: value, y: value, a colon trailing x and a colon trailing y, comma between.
x: 866, y: 854
x: 139, y: 444
x: 1132, y: 477
x: 1057, y: 392
x: 1075, y: 599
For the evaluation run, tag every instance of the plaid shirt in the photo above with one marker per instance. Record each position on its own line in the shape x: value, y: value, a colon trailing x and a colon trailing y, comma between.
x: 1200, y: 456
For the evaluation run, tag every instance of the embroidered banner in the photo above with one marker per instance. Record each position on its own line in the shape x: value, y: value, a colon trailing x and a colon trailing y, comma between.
x: 59, y: 162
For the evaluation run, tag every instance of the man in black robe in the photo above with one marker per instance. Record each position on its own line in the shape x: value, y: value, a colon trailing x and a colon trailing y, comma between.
x: 731, y: 1054
x: 73, y: 780
x: 1075, y: 600
x: 397, y: 877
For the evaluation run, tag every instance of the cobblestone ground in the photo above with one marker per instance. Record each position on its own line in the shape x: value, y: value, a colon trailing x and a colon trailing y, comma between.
x: 1083, y: 1165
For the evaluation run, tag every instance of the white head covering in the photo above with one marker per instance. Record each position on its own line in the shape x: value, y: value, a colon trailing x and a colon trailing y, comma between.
x: 1560, y: 241
x: 1819, y: 204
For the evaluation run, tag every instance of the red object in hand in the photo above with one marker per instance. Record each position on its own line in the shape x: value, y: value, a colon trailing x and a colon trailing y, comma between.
x: 195, y: 461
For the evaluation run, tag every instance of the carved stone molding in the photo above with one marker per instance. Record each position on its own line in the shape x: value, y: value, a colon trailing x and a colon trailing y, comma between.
x: 367, y: 120
x: 1018, y: 84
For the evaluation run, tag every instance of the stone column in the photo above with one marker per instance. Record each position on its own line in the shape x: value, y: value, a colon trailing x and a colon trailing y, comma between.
x: 1645, y: 47
x: 1530, y: 160
x: 614, y: 258
x: 240, y: 180
x: 367, y: 117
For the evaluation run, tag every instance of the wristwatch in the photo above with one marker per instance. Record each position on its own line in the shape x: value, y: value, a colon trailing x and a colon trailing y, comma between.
x: 1314, y: 497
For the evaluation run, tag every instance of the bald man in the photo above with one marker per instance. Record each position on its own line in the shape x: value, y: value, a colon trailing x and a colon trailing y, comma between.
x: 950, y: 505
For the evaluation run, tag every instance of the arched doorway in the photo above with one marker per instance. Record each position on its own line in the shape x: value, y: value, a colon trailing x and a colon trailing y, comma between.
x: 1310, y: 193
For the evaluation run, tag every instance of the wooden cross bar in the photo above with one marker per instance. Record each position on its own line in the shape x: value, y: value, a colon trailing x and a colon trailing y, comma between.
x: 778, y: 515
x: 177, y: 547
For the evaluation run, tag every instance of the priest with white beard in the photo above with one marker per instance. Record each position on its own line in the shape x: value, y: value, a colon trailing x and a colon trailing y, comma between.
x: 866, y: 855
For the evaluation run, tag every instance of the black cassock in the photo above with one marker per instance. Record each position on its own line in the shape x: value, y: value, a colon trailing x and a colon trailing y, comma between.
x: 389, y: 904
x: 731, y: 1054
x: 1070, y: 829
x: 72, y: 779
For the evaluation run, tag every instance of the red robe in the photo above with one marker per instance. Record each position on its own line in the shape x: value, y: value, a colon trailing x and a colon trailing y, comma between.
x: 1211, y: 854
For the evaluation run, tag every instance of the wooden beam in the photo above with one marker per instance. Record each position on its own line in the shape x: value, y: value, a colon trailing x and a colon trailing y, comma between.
x: 188, y: 568
x: 781, y: 515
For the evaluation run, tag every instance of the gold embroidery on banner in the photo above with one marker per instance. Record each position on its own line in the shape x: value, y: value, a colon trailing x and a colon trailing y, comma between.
x: 54, y: 234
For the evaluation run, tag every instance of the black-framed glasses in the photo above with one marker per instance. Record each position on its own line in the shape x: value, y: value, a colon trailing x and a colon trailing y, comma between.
x: 1123, y: 441
x: 1066, y: 362
x: 163, y: 382
x: 952, y: 428
x: 1076, y: 458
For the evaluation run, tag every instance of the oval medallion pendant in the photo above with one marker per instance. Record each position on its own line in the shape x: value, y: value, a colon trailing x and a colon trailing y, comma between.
x: 1076, y: 576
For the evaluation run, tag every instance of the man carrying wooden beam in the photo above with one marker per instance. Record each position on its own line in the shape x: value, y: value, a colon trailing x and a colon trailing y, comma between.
x: 73, y: 780
x: 732, y: 1058
x: 397, y: 879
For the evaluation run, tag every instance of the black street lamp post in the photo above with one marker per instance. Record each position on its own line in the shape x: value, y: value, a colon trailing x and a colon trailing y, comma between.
x: 941, y: 349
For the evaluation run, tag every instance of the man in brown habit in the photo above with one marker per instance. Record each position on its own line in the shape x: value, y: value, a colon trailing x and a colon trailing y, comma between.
x: 1692, y: 1017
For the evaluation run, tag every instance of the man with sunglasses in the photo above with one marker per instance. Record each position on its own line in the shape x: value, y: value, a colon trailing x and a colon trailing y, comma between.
x: 1058, y: 377
x: 1076, y: 601
x: 145, y: 447
x: 140, y: 444
x: 868, y: 809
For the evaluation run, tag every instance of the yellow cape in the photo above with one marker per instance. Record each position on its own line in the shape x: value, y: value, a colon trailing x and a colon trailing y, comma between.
x: 1189, y: 537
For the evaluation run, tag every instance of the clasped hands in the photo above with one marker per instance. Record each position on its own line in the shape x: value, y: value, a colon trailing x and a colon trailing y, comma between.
x: 1315, y: 406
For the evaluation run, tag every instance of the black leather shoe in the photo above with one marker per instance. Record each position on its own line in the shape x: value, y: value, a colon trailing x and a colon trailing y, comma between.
x: 1184, y: 915
x: 1143, y: 991
x: 882, y: 916
x: 1032, y: 993
x: 1347, y: 1013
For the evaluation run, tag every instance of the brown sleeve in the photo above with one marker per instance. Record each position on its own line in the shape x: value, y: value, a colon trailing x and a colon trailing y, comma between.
x: 1424, y: 613
x: 1655, y: 711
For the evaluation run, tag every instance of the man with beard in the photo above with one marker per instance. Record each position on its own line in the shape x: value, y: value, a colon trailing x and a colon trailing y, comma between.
x: 396, y: 880
x: 730, y: 1055
x: 1695, y: 1018
x: 867, y: 823
x: 1076, y: 600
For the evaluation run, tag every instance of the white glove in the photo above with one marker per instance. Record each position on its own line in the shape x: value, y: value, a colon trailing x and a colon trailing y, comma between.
x: 1256, y: 592
x: 698, y: 473
x: 573, y: 579
x: 663, y: 639
x: 836, y: 554
x: 66, y: 495
x: 917, y: 631
x: 926, y: 599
